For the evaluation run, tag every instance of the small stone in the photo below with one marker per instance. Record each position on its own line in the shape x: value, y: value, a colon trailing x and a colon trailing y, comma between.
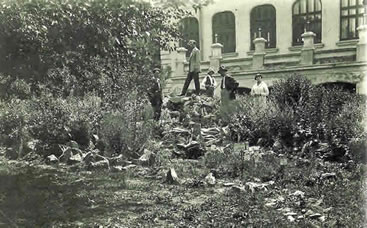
x: 322, y: 218
x: 315, y: 216
x: 99, y: 165
x: 229, y: 184
x: 129, y: 167
x: 146, y: 159
x: 117, y: 169
x: 52, y: 159
x: 171, y: 177
x: 298, y: 193
x: 328, y: 176
x: 210, y: 179
x: 290, y: 218
x: 74, y: 159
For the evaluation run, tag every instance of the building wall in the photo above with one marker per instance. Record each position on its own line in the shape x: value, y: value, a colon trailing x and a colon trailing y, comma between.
x: 242, y: 9
x: 334, y: 60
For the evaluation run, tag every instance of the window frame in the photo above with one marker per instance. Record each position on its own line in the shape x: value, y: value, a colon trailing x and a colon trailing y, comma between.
x: 273, y: 25
x: 184, y: 41
x: 224, y: 29
x: 358, y: 6
x: 305, y: 15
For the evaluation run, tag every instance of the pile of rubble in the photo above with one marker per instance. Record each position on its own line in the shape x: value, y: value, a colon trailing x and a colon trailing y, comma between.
x: 191, y: 125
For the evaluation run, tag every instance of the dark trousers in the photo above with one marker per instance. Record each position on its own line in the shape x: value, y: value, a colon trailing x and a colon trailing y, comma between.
x: 156, y: 102
x: 189, y: 77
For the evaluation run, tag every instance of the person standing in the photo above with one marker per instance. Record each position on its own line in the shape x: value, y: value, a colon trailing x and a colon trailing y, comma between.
x: 259, y: 90
x: 155, y: 94
x: 194, y: 69
x: 228, y: 85
x: 209, y: 83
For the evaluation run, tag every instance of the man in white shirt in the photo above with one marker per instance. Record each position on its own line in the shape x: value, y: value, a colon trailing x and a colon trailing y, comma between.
x: 209, y: 83
x: 260, y: 90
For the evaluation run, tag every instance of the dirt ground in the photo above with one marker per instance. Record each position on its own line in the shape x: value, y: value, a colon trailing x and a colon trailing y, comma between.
x: 37, y: 195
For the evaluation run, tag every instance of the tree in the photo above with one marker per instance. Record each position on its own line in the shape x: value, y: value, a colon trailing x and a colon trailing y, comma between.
x: 86, y: 38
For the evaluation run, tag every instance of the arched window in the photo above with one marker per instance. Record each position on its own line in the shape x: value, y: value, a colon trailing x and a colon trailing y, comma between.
x: 351, y: 16
x: 189, y: 28
x: 263, y: 23
x: 306, y: 16
x: 224, y: 31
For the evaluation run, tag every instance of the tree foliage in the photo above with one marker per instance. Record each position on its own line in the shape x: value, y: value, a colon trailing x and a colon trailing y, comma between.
x: 85, y: 38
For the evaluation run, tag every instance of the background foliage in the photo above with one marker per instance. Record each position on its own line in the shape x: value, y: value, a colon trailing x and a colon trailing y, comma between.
x: 70, y: 68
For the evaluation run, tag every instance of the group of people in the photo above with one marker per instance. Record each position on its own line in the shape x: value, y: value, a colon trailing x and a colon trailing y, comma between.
x: 228, y: 84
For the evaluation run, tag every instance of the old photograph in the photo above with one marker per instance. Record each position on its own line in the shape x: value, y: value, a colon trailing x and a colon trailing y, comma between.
x: 183, y: 113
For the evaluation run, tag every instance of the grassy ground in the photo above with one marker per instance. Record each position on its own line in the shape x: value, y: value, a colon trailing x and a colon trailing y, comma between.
x: 271, y: 192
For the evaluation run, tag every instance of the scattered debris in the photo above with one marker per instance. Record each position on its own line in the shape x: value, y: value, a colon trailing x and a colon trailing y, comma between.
x: 253, y: 186
x: 171, y: 177
x: 210, y: 179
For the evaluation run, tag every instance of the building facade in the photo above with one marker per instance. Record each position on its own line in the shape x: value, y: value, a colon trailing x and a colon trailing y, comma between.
x: 322, y: 39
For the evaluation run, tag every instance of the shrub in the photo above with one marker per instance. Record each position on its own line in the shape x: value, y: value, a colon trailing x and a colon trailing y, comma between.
x: 293, y: 91
x: 14, y: 116
x: 298, y: 112
x: 126, y: 130
x: 252, y: 121
x: 57, y: 121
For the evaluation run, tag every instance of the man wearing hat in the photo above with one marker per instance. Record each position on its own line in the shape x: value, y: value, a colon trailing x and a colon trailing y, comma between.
x: 209, y: 83
x: 228, y: 85
x: 194, y: 69
x: 260, y: 89
x: 155, y: 94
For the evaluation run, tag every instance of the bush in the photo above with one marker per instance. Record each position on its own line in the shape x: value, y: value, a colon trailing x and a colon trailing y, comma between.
x: 253, y: 121
x: 14, y: 117
x: 292, y: 91
x: 57, y: 121
x: 298, y: 112
x: 126, y: 130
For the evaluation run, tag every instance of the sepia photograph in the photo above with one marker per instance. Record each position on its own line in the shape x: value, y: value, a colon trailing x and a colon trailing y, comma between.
x: 183, y: 113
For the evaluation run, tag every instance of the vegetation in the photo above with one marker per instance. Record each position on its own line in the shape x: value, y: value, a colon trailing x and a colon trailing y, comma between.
x: 73, y: 83
x: 297, y: 114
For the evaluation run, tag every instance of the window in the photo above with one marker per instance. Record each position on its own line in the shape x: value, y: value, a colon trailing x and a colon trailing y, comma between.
x: 224, y: 31
x: 189, y: 28
x: 263, y: 24
x: 351, y: 16
x: 306, y: 17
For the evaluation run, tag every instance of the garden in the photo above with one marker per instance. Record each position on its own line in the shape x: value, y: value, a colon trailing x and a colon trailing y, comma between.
x: 80, y: 148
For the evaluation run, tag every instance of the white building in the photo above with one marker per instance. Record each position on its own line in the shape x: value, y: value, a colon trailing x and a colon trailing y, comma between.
x: 335, y: 53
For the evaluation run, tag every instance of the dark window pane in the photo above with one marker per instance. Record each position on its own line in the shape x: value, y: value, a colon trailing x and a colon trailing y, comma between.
x: 190, y: 31
x: 309, y: 20
x: 263, y: 17
x: 344, y: 29
x: 223, y: 25
x: 352, y: 27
